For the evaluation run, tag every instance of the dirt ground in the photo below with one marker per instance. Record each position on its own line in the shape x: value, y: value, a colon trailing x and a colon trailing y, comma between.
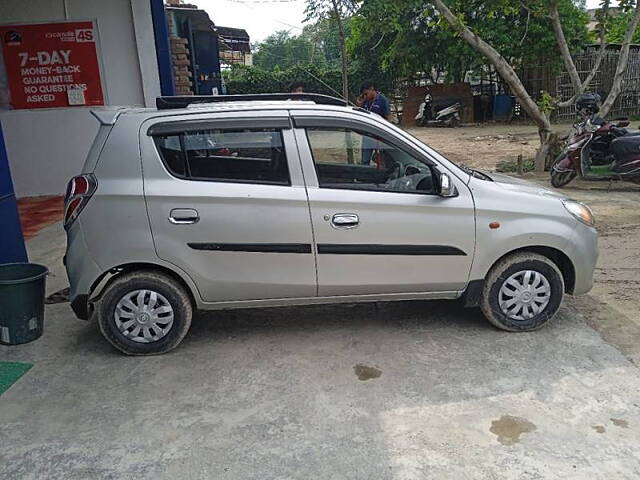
x: 613, y: 306
x: 484, y: 146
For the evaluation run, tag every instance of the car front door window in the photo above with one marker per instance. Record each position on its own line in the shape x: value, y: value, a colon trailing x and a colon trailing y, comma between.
x: 349, y: 159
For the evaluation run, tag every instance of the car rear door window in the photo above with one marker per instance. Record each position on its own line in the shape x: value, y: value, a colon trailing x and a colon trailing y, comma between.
x: 239, y: 155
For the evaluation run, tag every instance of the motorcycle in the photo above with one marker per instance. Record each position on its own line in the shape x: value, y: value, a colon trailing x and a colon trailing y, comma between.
x: 597, y: 149
x: 448, y: 116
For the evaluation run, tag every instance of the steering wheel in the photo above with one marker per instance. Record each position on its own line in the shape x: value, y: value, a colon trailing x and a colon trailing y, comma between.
x: 411, y: 170
x: 395, y: 171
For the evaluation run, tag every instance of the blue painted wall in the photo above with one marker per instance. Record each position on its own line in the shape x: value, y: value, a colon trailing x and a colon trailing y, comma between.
x: 163, y: 50
x: 12, y: 247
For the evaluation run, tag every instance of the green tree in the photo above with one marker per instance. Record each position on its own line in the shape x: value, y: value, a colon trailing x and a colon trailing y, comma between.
x: 410, y: 38
x: 551, y: 9
x: 336, y: 11
x: 325, y: 38
x: 402, y: 37
x: 318, y: 79
x: 617, y: 27
x: 579, y: 85
x: 282, y: 50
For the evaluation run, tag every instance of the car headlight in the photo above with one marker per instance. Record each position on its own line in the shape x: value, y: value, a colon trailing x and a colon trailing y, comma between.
x: 580, y: 211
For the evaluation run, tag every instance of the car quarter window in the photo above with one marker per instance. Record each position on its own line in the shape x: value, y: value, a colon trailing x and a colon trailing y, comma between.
x: 355, y: 160
x: 238, y: 155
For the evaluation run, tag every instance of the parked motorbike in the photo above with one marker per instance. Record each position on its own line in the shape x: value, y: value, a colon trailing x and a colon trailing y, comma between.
x: 597, y: 149
x: 448, y: 116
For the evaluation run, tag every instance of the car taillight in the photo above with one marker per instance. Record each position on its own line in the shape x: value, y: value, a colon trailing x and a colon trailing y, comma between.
x: 79, y: 192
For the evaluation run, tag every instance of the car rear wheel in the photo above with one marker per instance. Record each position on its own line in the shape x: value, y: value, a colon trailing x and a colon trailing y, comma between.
x: 522, y: 292
x: 144, y: 313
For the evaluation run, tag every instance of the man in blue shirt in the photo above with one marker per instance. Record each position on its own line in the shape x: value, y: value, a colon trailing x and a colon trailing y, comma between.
x: 372, y: 100
x: 296, y: 87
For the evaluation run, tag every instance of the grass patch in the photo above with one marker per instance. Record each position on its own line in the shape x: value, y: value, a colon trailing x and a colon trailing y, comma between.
x: 511, y: 166
x: 10, y: 372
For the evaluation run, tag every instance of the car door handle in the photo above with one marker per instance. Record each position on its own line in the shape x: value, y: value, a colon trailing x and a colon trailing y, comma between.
x: 184, y: 216
x: 345, y: 220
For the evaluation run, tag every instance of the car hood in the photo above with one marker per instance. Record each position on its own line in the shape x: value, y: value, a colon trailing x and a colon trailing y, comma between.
x: 517, y: 184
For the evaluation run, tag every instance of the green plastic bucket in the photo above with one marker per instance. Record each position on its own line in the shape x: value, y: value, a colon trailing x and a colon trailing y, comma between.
x: 22, y: 287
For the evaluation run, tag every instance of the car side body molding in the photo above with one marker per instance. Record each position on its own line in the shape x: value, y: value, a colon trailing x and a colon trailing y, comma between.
x: 253, y: 247
x: 328, y: 248
x: 378, y: 249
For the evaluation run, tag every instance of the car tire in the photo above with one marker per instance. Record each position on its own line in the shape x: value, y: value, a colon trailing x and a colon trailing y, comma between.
x: 560, y: 179
x: 162, y: 313
x: 517, y: 301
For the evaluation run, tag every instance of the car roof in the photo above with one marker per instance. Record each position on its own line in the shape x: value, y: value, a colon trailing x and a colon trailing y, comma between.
x: 109, y: 115
x: 260, y: 105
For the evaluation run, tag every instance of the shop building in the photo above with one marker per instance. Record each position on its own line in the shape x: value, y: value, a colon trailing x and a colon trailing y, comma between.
x: 58, y: 60
x: 62, y: 58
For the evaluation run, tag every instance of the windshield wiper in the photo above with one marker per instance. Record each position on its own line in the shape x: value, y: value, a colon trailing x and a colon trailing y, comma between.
x: 476, y: 173
x: 481, y: 175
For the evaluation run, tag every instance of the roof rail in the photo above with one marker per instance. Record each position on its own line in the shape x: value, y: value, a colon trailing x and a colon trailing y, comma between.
x: 167, y: 103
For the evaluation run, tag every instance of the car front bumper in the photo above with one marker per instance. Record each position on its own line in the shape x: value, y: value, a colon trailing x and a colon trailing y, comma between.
x: 583, y: 252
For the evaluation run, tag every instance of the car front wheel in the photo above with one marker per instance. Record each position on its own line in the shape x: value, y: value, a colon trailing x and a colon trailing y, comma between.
x: 522, y: 292
x: 144, y: 313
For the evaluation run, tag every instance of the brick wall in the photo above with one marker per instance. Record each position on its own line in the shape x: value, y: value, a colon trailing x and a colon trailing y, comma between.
x: 180, y: 60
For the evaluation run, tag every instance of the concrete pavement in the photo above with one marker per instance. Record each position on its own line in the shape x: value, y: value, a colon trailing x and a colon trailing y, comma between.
x: 275, y: 394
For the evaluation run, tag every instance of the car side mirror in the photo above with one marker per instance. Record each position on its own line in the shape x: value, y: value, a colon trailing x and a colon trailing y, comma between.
x: 447, y: 189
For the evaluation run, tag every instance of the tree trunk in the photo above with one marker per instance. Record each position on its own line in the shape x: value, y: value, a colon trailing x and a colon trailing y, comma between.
x: 543, y: 150
x: 578, y: 85
x: 430, y: 73
x: 343, y: 50
x: 623, y: 61
x: 550, y: 147
x: 505, y: 70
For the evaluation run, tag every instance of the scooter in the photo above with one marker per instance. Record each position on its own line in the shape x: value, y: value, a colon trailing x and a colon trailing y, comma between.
x: 597, y: 150
x: 448, y: 117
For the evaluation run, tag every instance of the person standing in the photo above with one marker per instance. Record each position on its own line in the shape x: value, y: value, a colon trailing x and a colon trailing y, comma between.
x: 372, y: 100
x: 296, y: 87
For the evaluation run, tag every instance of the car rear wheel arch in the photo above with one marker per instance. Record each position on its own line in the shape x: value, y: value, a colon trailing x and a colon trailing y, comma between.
x: 99, y: 286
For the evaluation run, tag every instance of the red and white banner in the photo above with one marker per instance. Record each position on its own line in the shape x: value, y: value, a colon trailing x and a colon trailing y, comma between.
x: 52, y: 64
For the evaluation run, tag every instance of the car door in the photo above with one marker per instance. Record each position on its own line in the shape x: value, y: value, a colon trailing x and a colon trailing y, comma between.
x: 380, y: 225
x: 227, y: 204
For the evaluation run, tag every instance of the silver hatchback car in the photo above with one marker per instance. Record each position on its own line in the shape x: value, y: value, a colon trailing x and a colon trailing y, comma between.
x: 258, y: 201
